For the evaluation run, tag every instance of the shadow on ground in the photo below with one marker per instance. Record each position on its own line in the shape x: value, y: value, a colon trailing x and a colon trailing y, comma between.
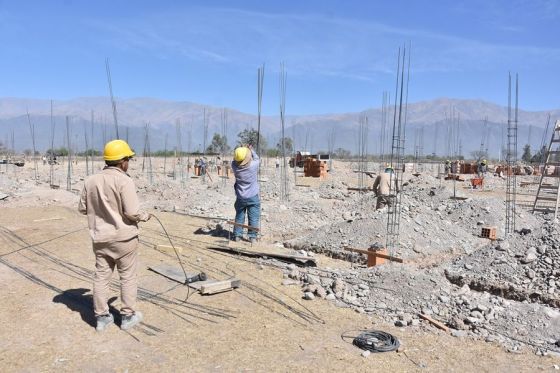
x: 78, y: 301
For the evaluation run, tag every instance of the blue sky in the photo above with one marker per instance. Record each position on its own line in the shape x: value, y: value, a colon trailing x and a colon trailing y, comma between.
x: 339, y: 55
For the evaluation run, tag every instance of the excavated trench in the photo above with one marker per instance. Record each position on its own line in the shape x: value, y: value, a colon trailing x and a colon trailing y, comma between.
x: 335, y: 254
x: 504, y: 289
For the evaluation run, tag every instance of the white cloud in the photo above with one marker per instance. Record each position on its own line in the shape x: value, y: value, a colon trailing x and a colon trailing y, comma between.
x: 314, y: 44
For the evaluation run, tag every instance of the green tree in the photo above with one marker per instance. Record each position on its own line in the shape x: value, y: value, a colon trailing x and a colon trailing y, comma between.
x: 60, y: 152
x: 539, y: 156
x: 218, y: 145
x: 342, y: 153
x: 249, y: 137
x: 526, y: 153
x: 478, y: 155
x: 288, y: 145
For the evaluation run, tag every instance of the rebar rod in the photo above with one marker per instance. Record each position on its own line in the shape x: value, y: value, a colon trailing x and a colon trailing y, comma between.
x: 165, y: 156
x: 51, y: 156
x: 284, y: 193
x: 86, y: 144
x: 32, y: 129
x: 92, y: 143
x: 260, y: 85
x: 69, y: 174
x: 113, y: 103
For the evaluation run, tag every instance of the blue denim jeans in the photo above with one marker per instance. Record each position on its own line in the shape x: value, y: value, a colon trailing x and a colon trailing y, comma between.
x: 253, y: 208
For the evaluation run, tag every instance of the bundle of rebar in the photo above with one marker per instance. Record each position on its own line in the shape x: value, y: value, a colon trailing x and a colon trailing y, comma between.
x: 397, y: 153
x: 511, y: 158
x: 284, y: 187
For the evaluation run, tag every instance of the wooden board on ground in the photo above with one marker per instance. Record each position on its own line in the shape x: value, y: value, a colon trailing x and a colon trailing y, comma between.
x: 296, y: 259
x: 207, y: 287
x: 375, y: 253
x: 435, y: 323
x: 219, y: 286
x: 171, y: 272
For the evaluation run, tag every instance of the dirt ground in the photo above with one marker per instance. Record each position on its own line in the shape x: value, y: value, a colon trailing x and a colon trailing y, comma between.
x: 262, y: 326
x: 46, y: 266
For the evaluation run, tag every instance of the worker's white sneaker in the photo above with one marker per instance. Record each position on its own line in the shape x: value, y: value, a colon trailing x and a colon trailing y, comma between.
x: 130, y: 321
x: 103, y: 322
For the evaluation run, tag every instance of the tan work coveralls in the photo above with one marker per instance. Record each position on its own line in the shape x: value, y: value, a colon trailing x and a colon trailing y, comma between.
x: 113, y: 211
x: 382, y: 188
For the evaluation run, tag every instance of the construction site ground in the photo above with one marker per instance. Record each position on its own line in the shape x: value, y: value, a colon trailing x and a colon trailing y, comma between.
x: 46, y: 267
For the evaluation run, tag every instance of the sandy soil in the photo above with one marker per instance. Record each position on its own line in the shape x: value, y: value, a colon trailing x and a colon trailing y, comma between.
x: 262, y: 326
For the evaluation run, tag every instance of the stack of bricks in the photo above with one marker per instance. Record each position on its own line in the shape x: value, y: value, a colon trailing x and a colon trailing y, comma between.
x: 314, y: 168
x: 468, y: 168
x: 221, y: 169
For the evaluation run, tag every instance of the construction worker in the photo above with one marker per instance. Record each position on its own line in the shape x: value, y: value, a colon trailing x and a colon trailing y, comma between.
x: 455, y: 167
x: 110, y: 202
x: 447, y: 167
x: 382, y: 188
x: 245, y: 166
x: 482, y: 168
x: 202, y: 164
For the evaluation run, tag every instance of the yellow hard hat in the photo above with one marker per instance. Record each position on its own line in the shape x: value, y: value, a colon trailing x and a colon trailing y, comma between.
x: 116, y: 150
x: 240, y: 153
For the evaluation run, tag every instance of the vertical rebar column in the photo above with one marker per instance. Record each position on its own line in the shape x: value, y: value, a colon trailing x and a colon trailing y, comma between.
x: 397, y: 154
x: 206, y: 118
x: 179, y: 153
x: 511, y: 158
x: 113, y: 103
x: 51, y: 156
x: 32, y: 129
x: 362, y: 151
x: 69, y: 174
x: 224, y: 148
x: 92, y: 144
x: 149, y: 155
x: 165, y: 157
x: 260, y: 84
x: 284, y: 192
x: 332, y: 137
x: 87, y: 148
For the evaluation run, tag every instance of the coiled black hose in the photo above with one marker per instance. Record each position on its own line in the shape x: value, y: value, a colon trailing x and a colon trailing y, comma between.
x: 376, y: 341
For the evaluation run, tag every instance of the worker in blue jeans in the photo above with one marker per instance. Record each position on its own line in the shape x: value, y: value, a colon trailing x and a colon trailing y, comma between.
x: 245, y: 166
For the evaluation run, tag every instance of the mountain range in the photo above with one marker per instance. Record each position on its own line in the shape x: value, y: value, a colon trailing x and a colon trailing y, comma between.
x: 441, y: 126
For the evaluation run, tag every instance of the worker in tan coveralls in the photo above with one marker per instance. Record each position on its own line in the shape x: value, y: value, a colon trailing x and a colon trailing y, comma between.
x: 382, y: 188
x: 110, y: 202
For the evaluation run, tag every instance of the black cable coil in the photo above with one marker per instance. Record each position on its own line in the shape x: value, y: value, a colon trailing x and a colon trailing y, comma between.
x: 376, y: 341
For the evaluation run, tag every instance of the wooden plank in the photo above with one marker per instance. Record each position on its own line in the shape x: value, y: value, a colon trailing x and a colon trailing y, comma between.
x: 219, y: 286
x: 374, y: 253
x: 172, y: 273
x: 242, y: 225
x: 197, y: 285
x: 435, y: 323
x: 168, y: 248
x: 297, y: 259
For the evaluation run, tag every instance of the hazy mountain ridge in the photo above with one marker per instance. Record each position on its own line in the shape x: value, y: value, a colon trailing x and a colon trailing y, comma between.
x: 312, y: 130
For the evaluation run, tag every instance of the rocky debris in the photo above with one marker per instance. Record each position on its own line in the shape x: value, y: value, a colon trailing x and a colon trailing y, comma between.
x: 502, y: 291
